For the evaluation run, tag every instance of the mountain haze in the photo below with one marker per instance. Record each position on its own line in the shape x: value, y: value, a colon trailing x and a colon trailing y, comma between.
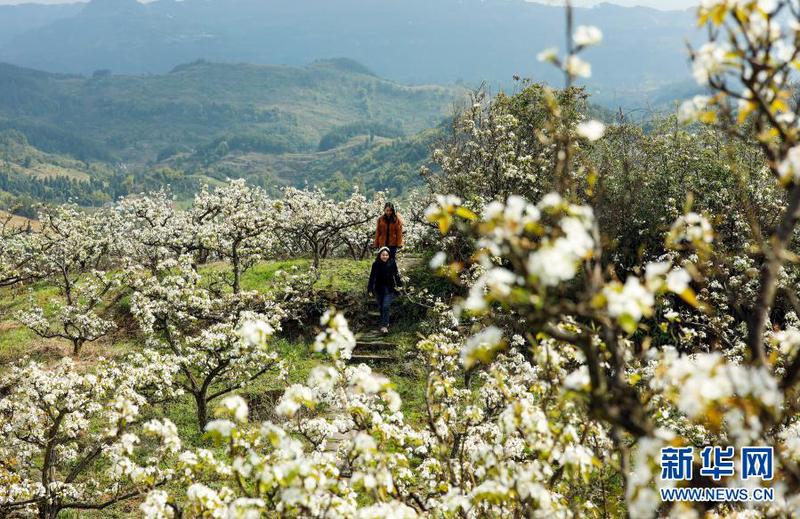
x: 19, y: 19
x: 412, y: 41
x: 114, y: 96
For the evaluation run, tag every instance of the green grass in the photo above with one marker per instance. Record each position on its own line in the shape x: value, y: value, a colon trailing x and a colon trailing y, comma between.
x: 344, y: 275
x: 259, y: 277
x: 16, y: 299
x: 336, y: 275
x: 15, y: 342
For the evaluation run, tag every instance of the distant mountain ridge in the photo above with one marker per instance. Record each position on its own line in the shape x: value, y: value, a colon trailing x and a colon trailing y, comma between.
x: 412, y: 41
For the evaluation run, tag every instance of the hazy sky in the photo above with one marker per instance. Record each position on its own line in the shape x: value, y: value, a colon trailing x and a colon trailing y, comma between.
x: 660, y: 4
x: 657, y: 4
x: 9, y: 2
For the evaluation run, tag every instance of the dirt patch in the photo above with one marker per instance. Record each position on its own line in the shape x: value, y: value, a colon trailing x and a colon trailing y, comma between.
x: 19, y: 221
x: 9, y: 325
x: 50, y: 350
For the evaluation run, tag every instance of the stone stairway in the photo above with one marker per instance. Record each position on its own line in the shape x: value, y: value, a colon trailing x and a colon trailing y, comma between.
x: 372, y: 348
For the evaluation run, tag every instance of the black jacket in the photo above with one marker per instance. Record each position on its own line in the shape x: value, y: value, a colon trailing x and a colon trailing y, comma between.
x: 384, y: 275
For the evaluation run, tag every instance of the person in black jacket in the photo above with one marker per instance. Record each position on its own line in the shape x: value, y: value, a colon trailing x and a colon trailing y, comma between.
x: 384, y: 279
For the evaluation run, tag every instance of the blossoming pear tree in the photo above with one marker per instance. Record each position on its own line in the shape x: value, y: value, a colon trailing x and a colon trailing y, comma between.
x: 16, y: 252
x: 499, y: 147
x: 74, y: 251
x: 316, y: 225
x: 202, y: 329
x: 154, y: 231
x: 357, y: 239
x: 231, y: 223
x: 236, y: 224
x: 78, y: 440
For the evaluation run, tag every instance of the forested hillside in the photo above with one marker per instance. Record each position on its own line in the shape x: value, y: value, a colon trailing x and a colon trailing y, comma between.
x: 204, y: 122
x: 257, y: 108
x: 368, y: 161
x: 29, y: 176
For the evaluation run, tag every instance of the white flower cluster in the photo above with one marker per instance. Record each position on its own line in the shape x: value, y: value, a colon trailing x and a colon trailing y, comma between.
x: 556, y: 237
x: 336, y: 339
x: 308, y: 221
x: 504, y: 441
x: 215, y: 338
x: 633, y: 300
x: 59, y: 423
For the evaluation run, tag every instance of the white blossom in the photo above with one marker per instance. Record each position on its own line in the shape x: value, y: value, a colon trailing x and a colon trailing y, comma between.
x: 587, y: 35
x: 592, y: 130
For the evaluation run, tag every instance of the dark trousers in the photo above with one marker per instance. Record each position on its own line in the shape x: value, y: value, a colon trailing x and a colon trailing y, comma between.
x: 384, y: 298
x: 392, y: 252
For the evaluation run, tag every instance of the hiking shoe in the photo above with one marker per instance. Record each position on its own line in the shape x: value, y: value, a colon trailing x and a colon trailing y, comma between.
x: 385, y: 330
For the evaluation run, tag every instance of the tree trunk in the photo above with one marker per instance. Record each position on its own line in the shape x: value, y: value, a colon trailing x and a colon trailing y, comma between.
x: 316, y: 256
x: 46, y: 510
x: 202, y: 410
x: 769, y: 278
x: 353, y: 251
x: 237, y: 274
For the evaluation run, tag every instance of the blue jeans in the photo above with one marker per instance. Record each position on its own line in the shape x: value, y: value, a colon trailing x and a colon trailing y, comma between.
x: 385, y: 298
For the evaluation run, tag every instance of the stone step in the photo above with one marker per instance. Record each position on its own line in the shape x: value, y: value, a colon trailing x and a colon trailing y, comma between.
x: 359, y: 358
x: 369, y: 340
x: 376, y: 345
x: 371, y: 336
